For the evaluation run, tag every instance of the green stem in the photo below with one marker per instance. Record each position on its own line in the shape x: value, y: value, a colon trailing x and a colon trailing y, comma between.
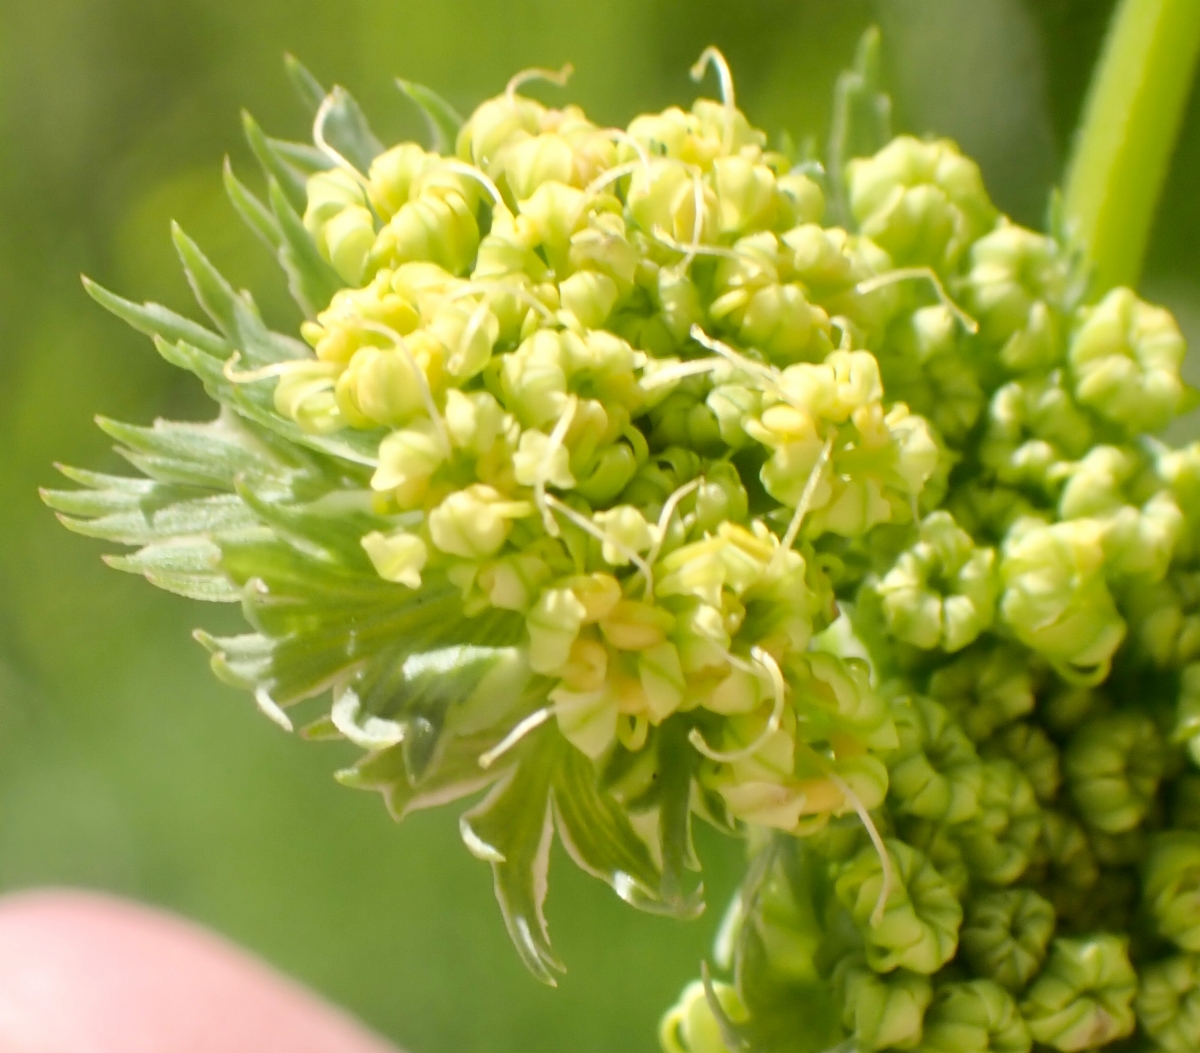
x: 1124, y: 145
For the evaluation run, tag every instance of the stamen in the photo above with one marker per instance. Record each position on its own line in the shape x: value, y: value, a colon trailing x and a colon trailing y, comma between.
x: 470, y: 172
x: 712, y: 56
x: 885, y: 859
x: 622, y: 136
x: 775, y: 676
x: 530, y: 723
x: 422, y: 381
x: 906, y: 274
x: 664, y: 521
x: 806, y: 496
x: 322, y: 144
x: 498, y: 288
x: 590, y: 528
x: 558, y: 76
x: 846, y: 328
x: 664, y: 238
x: 682, y: 371
x: 552, y: 447
x: 748, y: 365
x: 275, y: 369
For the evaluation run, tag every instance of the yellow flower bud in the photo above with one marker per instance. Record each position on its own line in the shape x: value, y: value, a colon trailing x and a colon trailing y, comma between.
x: 635, y: 626
x: 399, y: 556
x: 392, y: 175
x: 439, y: 227
x: 305, y: 394
x: 746, y: 194
x: 474, y: 522
x: 408, y: 460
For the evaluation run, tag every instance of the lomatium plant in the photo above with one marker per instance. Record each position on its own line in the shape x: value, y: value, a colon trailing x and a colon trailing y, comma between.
x: 621, y: 479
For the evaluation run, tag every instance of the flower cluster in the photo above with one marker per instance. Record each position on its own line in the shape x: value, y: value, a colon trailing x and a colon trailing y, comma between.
x: 647, y: 474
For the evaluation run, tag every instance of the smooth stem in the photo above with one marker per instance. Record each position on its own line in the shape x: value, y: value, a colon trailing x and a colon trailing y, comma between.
x: 1124, y: 144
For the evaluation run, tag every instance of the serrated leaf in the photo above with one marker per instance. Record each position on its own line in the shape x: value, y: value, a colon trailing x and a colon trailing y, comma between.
x: 598, y: 835
x: 253, y: 212
x: 308, y: 88
x: 205, y: 455
x: 303, y: 156
x: 456, y: 775
x: 443, y: 119
x: 862, y: 117
x: 512, y: 829
x: 242, y: 661
x: 233, y: 313
x: 141, y: 523
x: 311, y: 281
x: 157, y: 321
x: 275, y: 163
x: 346, y: 129
x: 677, y: 762
x: 256, y: 402
x: 187, y: 566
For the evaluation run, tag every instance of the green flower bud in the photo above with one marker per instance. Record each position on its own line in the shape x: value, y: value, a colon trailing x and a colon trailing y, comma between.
x: 922, y: 365
x: 469, y: 333
x: 921, y: 201
x: 799, y: 200
x: 918, y: 927
x: 942, y: 591
x: 494, y: 124
x: 1113, y: 766
x: 388, y: 300
x: 589, y: 296
x: 1055, y: 597
x: 1068, y: 873
x: 935, y: 774
x: 998, y: 844
x: 341, y: 224
x: 937, y: 841
x: 474, y: 421
x: 975, y: 1017
x: 1030, y: 749
x: 747, y: 198
x: 305, y: 394
x: 381, y: 386
x: 1164, y: 619
x: 1125, y: 361
x: 474, y: 523
x: 1005, y: 935
x: 408, y: 460
x: 1187, y: 711
x: 1082, y: 998
x: 1171, y: 887
x: 690, y: 1026
x: 1168, y: 1003
x: 398, y: 556
x: 1013, y: 273
x: 776, y: 319
x: 987, y: 688
x: 881, y: 1012
x: 438, y: 226
x: 666, y: 196
x: 684, y: 419
x: 1032, y: 427
x: 391, y: 177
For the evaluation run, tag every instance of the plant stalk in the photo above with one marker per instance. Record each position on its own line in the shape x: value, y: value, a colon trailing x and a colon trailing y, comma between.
x: 1123, y: 147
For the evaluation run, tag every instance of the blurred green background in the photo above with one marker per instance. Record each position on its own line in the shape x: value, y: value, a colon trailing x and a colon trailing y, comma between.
x: 123, y: 764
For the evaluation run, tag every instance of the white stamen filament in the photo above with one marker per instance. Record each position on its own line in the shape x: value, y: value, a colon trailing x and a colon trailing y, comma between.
x: 530, y: 723
x: 712, y: 56
x: 774, y: 676
x: 500, y: 288
x: 470, y: 172
x: 547, y: 463
x: 806, y: 496
x: 621, y: 136
x: 322, y: 144
x: 885, y: 860
x: 554, y: 76
x: 664, y: 522
x: 275, y: 369
x: 422, y: 381
x: 681, y: 371
x: 747, y: 365
x: 664, y: 238
x: 906, y: 274
x: 590, y: 528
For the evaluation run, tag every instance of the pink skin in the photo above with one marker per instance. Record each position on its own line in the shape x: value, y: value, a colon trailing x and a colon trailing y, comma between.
x: 84, y: 973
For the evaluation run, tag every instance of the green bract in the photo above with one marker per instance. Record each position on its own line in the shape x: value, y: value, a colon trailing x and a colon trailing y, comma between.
x: 624, y: 477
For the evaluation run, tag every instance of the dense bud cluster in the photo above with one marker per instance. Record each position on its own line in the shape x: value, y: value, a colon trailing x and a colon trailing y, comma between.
x: 624, y: 476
